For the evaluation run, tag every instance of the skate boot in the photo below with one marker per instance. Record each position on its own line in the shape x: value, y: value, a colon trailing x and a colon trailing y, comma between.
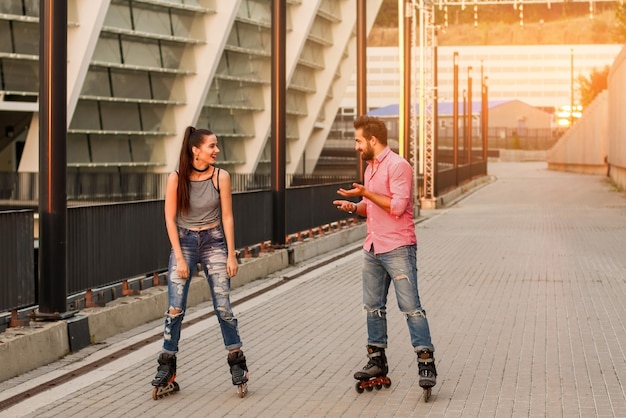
x: 239, y: 372
x: 427, y: 370
x: 164, y: 381
x: 374, y: 374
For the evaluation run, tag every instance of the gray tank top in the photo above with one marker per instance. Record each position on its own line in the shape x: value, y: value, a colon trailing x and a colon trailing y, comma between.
x: 204, y: 204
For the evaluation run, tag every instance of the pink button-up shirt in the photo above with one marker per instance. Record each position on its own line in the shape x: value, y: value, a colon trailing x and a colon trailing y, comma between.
x: 389, y: 175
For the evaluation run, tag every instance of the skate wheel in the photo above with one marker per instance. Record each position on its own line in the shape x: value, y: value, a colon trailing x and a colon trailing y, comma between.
x: 387, y: 384
x: 358, y: 387
x: 427, y: 393
x: 378, y: 387
x: 176, y: 387
x: 242, y: 389
x: 369, y: 388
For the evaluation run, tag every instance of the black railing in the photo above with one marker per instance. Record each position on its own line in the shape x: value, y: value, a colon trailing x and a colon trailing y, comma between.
x: 87, y: 185
x: 110, y: 243
x: 17, y: 260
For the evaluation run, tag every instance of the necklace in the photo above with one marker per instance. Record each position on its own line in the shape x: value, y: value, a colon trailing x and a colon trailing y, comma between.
x: 200, y: 171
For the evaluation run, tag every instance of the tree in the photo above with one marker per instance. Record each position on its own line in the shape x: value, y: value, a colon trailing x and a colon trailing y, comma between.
x: 619, y: 31
x: 590, y: 87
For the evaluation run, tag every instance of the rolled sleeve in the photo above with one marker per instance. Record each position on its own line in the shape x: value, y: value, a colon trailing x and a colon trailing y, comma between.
x: 400, y: 184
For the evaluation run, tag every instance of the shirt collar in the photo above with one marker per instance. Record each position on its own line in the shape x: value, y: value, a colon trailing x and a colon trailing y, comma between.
x: 383, y: 154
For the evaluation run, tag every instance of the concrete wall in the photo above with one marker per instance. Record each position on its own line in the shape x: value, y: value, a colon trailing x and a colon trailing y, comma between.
x: 617, y: 120
x: 584, y: 147
x: 596, y: 144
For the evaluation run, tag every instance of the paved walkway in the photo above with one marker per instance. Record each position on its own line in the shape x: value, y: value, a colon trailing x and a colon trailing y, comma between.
x: 524, y: 282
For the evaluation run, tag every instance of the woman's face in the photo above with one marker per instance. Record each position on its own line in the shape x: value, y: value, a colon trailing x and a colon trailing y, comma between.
x: 207, y: 152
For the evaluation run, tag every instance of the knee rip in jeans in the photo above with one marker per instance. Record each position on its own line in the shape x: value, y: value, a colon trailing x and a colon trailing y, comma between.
x: 225, y: 314
x: 419, y: 312
x: 173, y: 312
x: 401, y: 277
x: 374, y: 312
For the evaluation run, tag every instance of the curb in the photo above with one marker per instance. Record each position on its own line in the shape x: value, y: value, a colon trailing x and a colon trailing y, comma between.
x: 40, y: 343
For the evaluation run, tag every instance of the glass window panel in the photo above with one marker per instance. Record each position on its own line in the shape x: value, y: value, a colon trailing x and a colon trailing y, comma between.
x: 107, y: 50
x: 181, y: 24
x: 26, y: 38
x: 162, y: 85
x: 20, y: 75
x: 151, y: 21
x: 144, y: 53
x: 131, y: 85
x: 86, y: 116
x: 110, y: 148
x: 11, y: 7
x: 97, y: 83
x: 31, y: 7
x: 118, y: 16
x: 172, y: 55
x: 77, y: 149
x: 144, y: 150
x: 5, y: 37
x: 120, y: 116
x: 152, y: 116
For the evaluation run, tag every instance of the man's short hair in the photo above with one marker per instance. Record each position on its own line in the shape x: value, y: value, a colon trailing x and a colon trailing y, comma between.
x: 372, y: 126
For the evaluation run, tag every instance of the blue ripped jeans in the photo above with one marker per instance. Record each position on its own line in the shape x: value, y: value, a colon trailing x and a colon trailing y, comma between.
x: 400, y: 267
x: 207, y: 247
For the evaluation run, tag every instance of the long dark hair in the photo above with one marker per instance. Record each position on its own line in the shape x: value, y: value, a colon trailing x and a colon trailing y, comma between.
x: 193, y: 138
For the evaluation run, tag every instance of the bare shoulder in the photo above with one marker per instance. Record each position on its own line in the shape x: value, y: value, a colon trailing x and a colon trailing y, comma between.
x: 172, y: 177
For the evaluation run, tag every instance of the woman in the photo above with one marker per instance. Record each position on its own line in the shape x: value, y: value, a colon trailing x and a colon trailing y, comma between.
x: 200, y: 227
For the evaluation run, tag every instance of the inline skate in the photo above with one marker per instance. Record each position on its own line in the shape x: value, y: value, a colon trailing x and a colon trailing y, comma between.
x: 427, y: 370
x: 164, y: 382
x: 239, y: 372
x: 374, y: 373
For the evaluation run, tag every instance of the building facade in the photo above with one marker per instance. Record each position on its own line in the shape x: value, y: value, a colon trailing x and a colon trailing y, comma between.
x: 140, y: 71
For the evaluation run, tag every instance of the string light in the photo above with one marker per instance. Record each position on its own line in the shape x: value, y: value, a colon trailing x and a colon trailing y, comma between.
x: 475, y: 15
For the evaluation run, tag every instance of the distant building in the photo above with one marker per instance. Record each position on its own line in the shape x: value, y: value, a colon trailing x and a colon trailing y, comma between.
x: 539, y: 75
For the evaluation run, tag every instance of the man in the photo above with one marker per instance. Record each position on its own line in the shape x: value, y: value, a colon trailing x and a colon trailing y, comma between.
x: 389, y: 250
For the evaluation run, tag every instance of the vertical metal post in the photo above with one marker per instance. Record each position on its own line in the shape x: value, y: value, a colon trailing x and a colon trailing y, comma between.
x: 469, y: 116
x: 435, y: 139
x: 404, y: 109
x: 571, y: 109
x: 52, y: 158
x: 485, y: 118
x: 278, y: 136
x: 361, y: 72
x: 465, y: 125
x: 455, y: 116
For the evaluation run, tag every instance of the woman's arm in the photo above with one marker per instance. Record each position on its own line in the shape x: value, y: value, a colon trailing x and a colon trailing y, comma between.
x: 228, y: 222
x: 171, y: 191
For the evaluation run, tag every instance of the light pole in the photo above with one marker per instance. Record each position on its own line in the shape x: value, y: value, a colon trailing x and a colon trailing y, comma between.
x: 571, y: 109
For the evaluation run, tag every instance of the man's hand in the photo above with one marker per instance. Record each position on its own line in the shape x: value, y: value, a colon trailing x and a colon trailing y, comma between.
x: 345, y: 205
x: 356, y: 190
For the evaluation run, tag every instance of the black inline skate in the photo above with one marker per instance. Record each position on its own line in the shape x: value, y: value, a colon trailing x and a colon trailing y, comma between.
x: 164, y: 382
x: 427, y: 370
x: 239, y: 372
x: 374, y: 374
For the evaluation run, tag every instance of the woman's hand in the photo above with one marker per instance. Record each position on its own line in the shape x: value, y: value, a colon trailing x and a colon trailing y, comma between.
x: 182, y: 269
x: 232, y: 266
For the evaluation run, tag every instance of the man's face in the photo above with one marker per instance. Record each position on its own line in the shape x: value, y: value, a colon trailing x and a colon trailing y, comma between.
x: 363, y: 145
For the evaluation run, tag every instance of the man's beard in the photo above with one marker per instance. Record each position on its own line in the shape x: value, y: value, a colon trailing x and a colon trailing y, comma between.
x: 368, y: 153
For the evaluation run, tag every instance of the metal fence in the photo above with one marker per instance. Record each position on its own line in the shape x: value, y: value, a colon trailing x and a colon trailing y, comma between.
x: 17, y: 260
x: 110, y: 243
x: 120, y: 186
